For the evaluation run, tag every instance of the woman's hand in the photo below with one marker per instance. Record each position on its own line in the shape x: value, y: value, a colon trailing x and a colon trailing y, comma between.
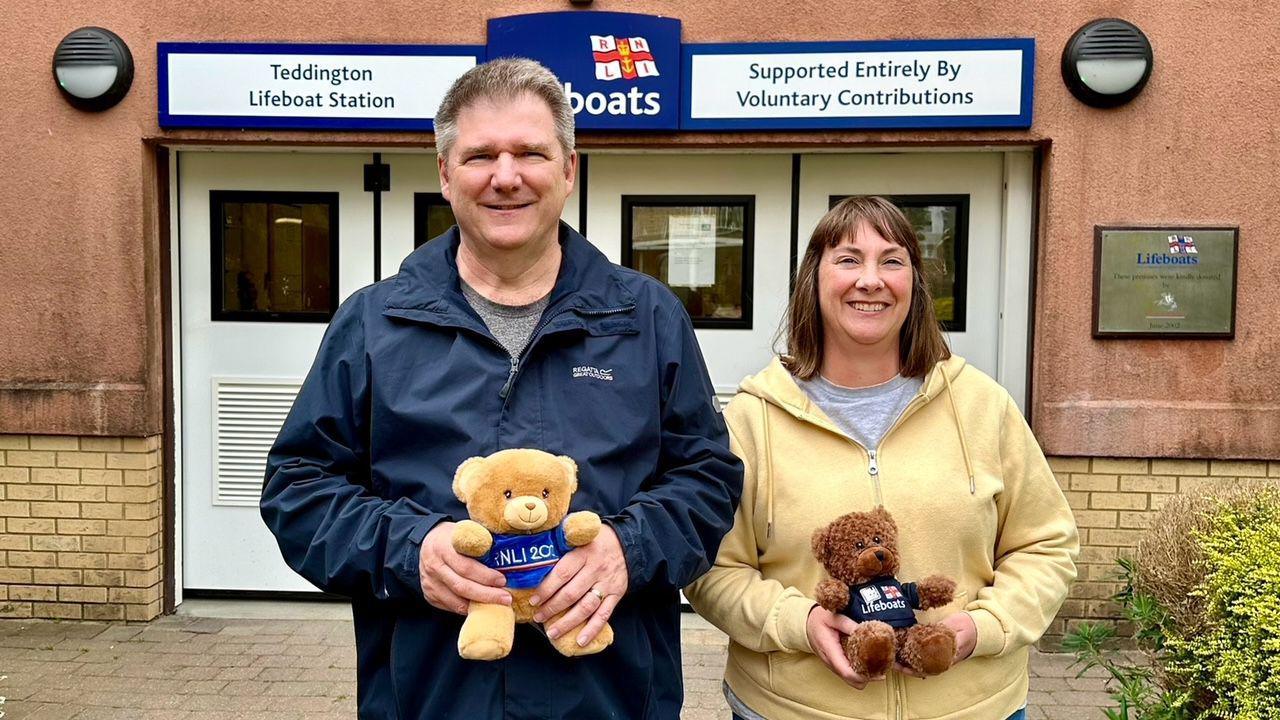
x: 966, y: 634
x: 826, y: 630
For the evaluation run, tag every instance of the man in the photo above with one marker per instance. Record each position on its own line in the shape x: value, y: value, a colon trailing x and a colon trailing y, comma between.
x: 510, y: 330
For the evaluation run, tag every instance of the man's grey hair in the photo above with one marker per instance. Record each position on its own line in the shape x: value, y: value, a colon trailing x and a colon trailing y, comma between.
x: 504, y: 79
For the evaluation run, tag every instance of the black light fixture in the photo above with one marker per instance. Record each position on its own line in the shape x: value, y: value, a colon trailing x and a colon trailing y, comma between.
x: 93, y: 68
x: 1107, y: 62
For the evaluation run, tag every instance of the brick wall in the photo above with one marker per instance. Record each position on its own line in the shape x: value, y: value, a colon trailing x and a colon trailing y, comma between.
x: 80, y: 527
x: 1114, y: 499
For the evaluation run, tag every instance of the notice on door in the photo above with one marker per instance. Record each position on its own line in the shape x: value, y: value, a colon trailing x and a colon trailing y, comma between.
x: 917, y: 83
x: 691, y: 250
x: 372, y: 87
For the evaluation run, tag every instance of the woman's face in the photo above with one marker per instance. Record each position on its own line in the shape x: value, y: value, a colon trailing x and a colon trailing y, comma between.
x: 864, y: 292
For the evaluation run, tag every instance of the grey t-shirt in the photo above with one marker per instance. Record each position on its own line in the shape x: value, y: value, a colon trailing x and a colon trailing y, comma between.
x: 864, y: 414
x: 511, y: 325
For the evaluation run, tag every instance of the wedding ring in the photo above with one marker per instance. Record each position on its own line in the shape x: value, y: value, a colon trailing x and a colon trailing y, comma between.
x: 599, y: 595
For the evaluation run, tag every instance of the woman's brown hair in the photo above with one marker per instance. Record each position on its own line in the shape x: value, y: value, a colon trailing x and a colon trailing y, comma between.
x: 920, y: 342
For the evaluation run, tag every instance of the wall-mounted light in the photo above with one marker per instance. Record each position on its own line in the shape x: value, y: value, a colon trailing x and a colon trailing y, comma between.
x: 93, y: 68
x: 1107, y: 63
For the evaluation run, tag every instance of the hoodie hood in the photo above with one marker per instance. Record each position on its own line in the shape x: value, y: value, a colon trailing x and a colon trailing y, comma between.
x: 774, y: 385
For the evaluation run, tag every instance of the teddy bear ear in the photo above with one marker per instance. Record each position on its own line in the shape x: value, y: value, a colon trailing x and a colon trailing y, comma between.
x: 819, y: 543
x: 570, y: 471
x: 467, y: 476
x: 883, y: 516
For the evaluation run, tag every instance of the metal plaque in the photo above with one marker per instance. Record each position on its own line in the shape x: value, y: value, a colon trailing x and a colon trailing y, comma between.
x: 1165, y: 282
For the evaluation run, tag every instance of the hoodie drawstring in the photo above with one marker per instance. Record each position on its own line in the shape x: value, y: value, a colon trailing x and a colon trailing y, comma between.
x: 964, y: 447
x: 768, y: 475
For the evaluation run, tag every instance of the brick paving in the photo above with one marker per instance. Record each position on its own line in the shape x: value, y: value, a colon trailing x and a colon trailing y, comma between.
x: 186, y: 667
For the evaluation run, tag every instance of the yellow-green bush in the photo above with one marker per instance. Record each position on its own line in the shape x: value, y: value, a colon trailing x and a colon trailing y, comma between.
x: 1203, y: 594
x: 1236, y: 655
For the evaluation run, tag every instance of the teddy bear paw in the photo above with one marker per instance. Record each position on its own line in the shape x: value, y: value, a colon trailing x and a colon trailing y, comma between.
x: 930, y: 649
x: 483, y: 649
x: 871, y: 648
x: 568, y: 645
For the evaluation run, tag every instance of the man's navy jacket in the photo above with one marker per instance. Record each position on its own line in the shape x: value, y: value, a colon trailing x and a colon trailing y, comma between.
x: 409, y: 382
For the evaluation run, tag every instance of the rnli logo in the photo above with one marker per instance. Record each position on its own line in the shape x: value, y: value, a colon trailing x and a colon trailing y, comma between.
x: 622, y: 58
x: 869, y: 595
x: 618, y: 59
x: 1182, y: 251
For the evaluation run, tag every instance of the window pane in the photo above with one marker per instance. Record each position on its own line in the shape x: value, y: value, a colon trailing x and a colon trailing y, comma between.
x: 432, y: 217
x: 698, y: 251
x: 936, y: 227
x: 276, y: 257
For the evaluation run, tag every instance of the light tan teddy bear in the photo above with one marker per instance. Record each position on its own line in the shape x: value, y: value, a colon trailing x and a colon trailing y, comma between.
x: 517, y: 499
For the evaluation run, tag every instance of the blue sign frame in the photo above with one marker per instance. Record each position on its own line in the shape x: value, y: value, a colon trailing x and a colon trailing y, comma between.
x: 167, y: 120
x: 1021, y: 120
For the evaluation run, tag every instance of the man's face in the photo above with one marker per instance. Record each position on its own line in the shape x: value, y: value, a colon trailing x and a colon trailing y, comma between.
x: 506, y: 175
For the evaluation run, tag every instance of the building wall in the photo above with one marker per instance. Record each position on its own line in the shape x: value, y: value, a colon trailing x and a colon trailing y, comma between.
x: 80, y: 527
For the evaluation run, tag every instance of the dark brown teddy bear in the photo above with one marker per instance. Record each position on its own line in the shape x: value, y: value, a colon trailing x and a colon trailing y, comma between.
x: 860, y: 551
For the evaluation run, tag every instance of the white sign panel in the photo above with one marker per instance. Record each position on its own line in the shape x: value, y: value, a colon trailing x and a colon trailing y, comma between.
x: 924, y: 84
x: 345, y: 87
x: 691, y: 254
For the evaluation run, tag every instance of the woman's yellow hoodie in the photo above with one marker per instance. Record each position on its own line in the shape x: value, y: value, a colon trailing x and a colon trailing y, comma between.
x: 974, y: 500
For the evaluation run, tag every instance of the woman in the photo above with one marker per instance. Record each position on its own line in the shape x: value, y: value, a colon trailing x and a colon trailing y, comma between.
x: 870, y: 408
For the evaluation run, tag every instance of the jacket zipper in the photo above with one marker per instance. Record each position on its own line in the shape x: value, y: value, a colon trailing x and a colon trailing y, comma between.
x: 901, y: 698
x: 511, y: 378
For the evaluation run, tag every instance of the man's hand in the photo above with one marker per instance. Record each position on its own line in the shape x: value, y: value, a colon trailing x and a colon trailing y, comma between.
x: 826, y: 631
x: 451, y: 581
x: 597, y: 567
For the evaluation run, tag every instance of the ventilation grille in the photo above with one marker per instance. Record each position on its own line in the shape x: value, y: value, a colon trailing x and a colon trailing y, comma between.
x: 87, y: 46
x: 1112, y: 39
x: 247, y: 417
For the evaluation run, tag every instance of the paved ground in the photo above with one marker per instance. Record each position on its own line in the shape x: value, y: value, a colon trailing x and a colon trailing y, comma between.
x: 276, y: 661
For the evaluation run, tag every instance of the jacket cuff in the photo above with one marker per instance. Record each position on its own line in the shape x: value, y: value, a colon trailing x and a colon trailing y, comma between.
x: 632, y: 548
x: 991, y: 636
x: 792, y: 622
x: 407, y: 568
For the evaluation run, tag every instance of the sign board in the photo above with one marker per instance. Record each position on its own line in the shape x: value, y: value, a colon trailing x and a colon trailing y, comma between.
x: 872, y: 84
x: 308, y: 86
x: 1164, y: 282
x: 621, y: 71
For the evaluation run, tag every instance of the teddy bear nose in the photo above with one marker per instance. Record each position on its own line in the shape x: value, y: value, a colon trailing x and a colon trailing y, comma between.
x: 530, y: 505
x: 880, y: 555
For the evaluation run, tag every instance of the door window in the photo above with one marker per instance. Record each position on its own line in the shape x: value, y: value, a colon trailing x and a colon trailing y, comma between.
x: 432, y: 216
x: 700, y: 246
x: 275, y: 255
x: 942, y: 226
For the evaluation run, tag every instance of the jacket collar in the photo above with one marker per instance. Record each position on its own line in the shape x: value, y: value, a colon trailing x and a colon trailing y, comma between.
x: 428, y: 281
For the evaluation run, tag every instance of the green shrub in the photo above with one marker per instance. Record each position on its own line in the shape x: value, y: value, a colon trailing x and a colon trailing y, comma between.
x: 1237, y: 656
x: 1204, y: 599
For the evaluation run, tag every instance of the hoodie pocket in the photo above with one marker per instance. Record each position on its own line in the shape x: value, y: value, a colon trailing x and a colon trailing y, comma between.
x: 803, y: 679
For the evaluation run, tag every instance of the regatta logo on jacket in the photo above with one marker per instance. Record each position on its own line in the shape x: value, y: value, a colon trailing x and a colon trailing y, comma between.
x: 591, y: 371
x: 526, y: 559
